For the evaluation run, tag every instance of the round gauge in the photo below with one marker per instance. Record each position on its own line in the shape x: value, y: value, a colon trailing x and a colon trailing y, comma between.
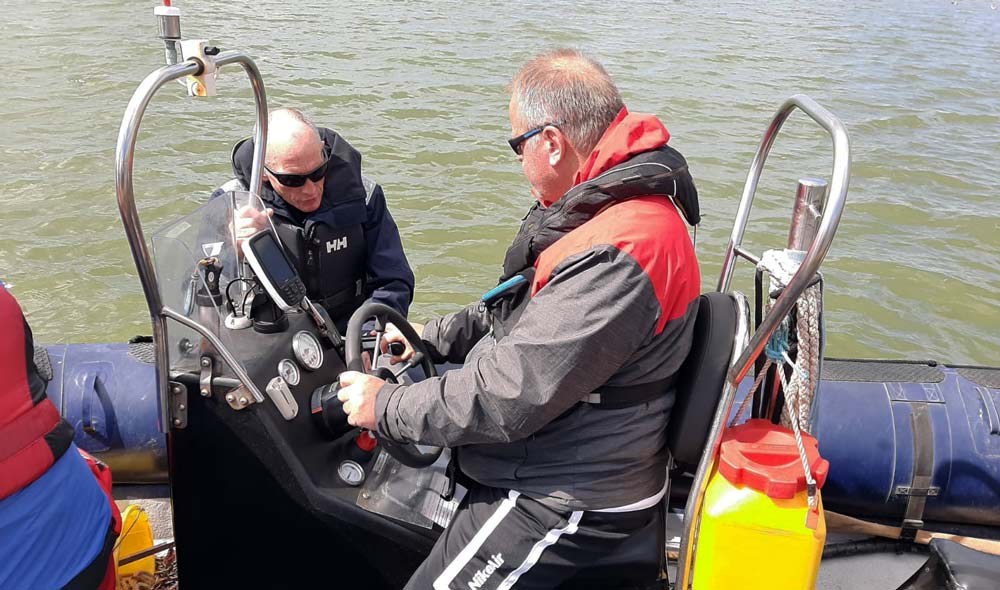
x: 351, y: 473
x: 289, y: 371
x: 307, y: 350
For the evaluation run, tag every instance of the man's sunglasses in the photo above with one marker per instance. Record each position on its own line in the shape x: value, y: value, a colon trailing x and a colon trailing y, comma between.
x: 517, y: 143
x: 297, y: 180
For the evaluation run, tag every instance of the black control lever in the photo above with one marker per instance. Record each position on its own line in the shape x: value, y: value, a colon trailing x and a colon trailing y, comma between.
x: 328, y: 411
x: 397, y: 348
x: 416, y: 360
x: 327, y: 329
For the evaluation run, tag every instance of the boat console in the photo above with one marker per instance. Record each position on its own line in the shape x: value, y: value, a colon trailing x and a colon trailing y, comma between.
x: 263, y: 465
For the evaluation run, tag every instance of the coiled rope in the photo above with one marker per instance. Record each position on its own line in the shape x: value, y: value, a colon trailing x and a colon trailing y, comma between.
x: 800, y: 389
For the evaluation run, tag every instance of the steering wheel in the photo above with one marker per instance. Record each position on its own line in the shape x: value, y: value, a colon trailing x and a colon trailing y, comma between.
x: 406, y: 453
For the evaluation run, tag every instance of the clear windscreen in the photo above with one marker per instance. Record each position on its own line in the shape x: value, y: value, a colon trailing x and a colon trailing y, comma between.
x: 179, y: 252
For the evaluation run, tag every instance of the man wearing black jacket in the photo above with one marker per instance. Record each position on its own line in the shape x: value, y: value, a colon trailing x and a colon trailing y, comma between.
x: 332, y: 220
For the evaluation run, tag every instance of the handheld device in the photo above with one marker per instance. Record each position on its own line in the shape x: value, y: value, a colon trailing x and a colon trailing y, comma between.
x: 274, y: 270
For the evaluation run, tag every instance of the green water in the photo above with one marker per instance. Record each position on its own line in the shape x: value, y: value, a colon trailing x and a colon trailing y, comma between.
x: 419, y: 88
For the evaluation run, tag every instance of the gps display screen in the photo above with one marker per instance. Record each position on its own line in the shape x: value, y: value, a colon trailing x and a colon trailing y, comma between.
x: 269, y: 253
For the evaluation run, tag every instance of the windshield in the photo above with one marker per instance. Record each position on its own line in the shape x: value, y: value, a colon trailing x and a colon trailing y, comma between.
x: 201, y: 276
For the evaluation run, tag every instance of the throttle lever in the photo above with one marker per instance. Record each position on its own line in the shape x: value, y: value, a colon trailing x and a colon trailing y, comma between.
x: 417, y: 358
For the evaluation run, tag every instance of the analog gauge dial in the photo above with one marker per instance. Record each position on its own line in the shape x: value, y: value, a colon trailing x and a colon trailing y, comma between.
x: 307, y: 350
x: 351, y: 473
x: 289, y: 371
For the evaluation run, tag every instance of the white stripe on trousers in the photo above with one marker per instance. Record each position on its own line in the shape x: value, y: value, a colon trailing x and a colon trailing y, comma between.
x: 466, y: 554
x: 547, y: 541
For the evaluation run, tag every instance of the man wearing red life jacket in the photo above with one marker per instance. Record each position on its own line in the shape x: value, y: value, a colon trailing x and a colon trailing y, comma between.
x: 58, y: 523
x: 557, y: 418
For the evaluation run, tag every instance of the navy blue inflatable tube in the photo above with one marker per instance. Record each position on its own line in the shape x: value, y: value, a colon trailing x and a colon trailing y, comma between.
x: 108, y: 393
x: 871, y: 416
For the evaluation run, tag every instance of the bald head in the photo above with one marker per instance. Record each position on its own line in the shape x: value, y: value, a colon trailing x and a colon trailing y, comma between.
x: 291, y: 136
x: 294, y: 147
x: 564, y: 86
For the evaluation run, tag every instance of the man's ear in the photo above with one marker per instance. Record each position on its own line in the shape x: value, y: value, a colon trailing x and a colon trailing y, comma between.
x: 555, y: 144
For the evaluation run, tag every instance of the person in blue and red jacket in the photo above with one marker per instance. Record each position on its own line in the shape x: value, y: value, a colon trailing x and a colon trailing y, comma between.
x: 58, y: 523
x: 558, y: 416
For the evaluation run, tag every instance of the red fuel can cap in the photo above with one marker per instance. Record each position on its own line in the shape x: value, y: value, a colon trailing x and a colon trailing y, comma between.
x: 763, y: 456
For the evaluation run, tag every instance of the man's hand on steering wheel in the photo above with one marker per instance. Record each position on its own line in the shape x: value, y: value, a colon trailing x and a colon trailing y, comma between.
x: 357, y: 393
x: 358, y: 390
x: 392, y: 334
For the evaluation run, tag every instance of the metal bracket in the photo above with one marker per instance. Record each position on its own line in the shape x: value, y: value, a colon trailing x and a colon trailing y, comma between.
x: 908, y: 532
x: 178, y: 404
x: 205, y: 383
x: 240, y: 398
x: 911, y: 491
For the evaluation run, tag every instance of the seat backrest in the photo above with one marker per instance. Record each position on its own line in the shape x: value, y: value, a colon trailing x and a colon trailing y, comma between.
x: 702, y: 377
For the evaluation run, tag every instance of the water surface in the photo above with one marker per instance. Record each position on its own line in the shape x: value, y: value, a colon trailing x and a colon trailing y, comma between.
x: 419, y: 88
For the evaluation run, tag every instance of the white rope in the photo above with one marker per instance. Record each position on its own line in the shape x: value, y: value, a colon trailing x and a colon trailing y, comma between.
x: 781, y: 265
x: 810, y: 481
x: 753, y: 390
x: 800, y: 390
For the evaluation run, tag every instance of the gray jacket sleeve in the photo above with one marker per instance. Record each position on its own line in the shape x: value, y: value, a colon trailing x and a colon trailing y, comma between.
x: 576, y: 332
x: 450, y: 338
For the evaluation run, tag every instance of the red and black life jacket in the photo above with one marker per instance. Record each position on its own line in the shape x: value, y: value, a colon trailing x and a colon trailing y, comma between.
x: 32, y: 434
x: 632, y: 162
x: 662, y: 171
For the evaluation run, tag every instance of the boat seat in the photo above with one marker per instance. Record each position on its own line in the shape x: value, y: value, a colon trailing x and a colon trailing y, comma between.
x: 700, y: 384
x: 702, y: 378
x: 955, y: 567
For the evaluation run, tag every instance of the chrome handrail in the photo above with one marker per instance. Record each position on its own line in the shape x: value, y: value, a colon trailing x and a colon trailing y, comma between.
x: 832, y: 212
x: 815, y: 254
x: 124, y: 190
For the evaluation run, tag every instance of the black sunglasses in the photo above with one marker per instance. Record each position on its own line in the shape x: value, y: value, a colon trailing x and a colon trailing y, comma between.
x: 517, y: 143
x: 297, y: 180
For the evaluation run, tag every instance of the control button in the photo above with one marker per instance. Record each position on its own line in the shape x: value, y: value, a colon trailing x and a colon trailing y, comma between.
x: 279, y: 393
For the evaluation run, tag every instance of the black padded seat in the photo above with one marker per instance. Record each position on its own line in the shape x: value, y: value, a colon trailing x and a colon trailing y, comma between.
x: 702, y: 378
x: 955, y: 567
x: 700, y: 384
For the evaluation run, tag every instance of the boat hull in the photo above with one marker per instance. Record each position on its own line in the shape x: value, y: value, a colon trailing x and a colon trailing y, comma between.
x: 863, y: 418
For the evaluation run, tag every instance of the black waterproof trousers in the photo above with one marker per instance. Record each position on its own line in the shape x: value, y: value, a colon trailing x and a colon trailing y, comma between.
x: 501, y: 539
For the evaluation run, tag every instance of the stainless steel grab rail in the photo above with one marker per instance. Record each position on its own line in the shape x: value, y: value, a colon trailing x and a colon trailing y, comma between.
x: 815, y: 254
x: 124, y: 190
x: 833, y: 210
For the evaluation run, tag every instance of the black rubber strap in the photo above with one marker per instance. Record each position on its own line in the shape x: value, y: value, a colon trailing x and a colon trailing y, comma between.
x: 923, y: 470
x: 612, y: 398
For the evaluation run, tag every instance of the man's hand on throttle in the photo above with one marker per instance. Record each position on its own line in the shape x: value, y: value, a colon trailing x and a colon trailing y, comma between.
x: 357, y: 393
x: 392, y: 334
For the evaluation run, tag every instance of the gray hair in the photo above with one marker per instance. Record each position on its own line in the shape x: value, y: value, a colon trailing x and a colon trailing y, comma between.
x: 565, y: 86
